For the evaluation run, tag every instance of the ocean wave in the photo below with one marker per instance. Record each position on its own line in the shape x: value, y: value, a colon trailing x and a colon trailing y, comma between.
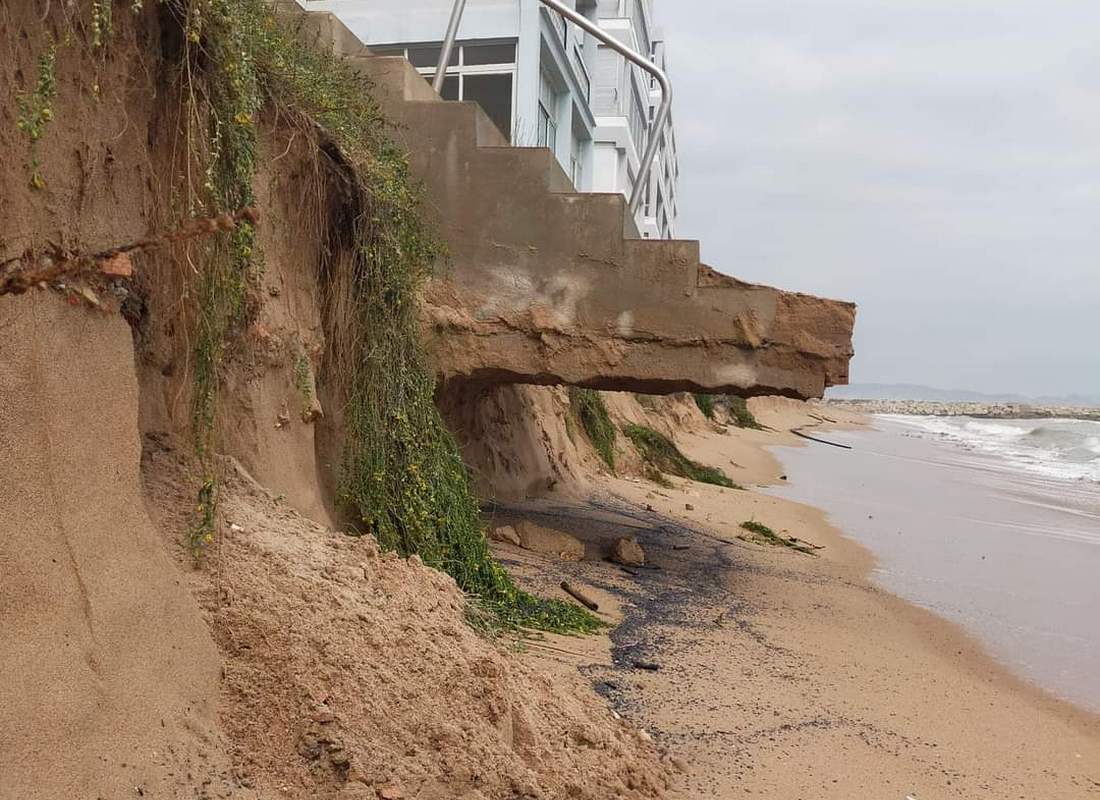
x: 997, y: 430
x: 1056, y: 448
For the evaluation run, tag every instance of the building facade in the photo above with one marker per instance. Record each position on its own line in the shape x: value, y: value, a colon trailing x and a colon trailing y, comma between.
x: 545, y: 82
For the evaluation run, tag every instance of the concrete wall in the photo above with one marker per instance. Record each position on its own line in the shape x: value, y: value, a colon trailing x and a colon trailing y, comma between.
x: 387, y: 21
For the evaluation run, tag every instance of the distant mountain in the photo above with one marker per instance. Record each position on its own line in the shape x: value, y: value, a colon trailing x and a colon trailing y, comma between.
x: 912, y: 391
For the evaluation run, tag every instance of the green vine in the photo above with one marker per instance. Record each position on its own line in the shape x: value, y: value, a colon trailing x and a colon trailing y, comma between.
x: 102, y: 22
x: 222, y: 94
x: 303, y: 382
x: 202, y: 529
x: 36, y: 112
x: 403, y: 477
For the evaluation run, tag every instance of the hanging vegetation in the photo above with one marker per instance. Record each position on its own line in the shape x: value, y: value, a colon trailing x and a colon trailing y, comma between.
x: 403, y: 477
x: 662, y: 454
x: 591, y: 410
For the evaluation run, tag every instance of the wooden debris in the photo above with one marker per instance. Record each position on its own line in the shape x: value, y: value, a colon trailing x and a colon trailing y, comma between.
x: 580, y: 596
x: 799, y: 433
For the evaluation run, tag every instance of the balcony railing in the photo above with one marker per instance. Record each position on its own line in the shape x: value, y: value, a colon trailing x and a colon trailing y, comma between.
x: 580, y: 70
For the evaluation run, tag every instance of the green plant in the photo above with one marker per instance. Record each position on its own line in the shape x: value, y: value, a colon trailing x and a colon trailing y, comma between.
x: 763, y: 534
x: 36, y: 111
x: 402, y: 475
x: 202, y: 529
x: 662, y: 454
x: 651, y: 473
x: 739, y: 410
x: 591, y: 410
x: 102, y: 21
x: 303, y: 382
x: 706, y: 404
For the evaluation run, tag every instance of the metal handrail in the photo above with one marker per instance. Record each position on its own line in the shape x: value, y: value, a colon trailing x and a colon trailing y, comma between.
x: 659, y: 121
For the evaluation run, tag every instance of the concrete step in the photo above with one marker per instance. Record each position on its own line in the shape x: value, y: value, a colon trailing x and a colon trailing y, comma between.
x: 322, y: 28
x: 396, y: 79
x: 547, y: 285
x: 529, y: 161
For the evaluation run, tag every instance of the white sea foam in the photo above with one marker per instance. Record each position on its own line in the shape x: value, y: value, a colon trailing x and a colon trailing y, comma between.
x: 1065, y: 449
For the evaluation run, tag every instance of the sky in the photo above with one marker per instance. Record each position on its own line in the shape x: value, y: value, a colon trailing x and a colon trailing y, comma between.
x: 936, y: 161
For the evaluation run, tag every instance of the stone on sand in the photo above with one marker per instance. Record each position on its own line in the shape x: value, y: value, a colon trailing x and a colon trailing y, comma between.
x: 627, y: 551
x: 549, y: 541
x: 507, y: 534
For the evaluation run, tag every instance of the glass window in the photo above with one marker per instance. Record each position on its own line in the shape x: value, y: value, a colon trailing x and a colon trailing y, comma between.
x: 477, y: 54
x: 424, y: 56
x: 547, y: 95
x: 450, y: 86
x: 548, y: 110
x: 544, y: 119
x: 428, y: 56
x: 494, y: 94
x: 548, y: 129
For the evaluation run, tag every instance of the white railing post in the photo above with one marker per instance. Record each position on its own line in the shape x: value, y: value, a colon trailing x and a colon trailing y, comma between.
x: 448, y: 46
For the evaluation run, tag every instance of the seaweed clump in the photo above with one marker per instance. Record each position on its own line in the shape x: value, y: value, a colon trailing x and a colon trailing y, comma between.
x: 761, y: 534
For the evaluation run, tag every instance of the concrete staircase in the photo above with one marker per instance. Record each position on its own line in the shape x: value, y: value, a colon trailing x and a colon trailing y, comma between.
x: 546, y: 285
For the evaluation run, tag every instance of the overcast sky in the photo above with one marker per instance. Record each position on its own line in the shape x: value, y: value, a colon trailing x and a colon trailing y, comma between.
x: 937, y: 161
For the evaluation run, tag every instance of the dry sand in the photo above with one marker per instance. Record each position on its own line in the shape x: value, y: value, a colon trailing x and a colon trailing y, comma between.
x: 353, y: 675
x: 791, y: 676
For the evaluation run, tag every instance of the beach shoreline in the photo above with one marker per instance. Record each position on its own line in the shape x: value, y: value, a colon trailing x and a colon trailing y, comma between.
x: 797, y: 676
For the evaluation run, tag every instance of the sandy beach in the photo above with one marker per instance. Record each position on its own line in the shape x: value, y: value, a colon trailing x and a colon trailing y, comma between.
x: 788, y: 675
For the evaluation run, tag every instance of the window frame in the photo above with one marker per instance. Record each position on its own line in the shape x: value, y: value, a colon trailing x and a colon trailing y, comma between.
x: 460, y: 69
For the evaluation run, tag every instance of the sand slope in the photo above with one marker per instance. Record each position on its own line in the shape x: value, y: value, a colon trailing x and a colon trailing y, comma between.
x: 350, y: 674
x: 110, y: 676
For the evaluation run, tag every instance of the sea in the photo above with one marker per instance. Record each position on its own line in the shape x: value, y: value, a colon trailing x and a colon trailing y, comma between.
x: 993, y: 524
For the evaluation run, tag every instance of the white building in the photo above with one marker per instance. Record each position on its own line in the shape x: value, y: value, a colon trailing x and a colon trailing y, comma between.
x: 545, y: 82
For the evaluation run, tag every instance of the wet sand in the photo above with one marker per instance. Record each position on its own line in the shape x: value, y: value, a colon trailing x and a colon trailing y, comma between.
x: 1012, y: 556
x: 792, y: 676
